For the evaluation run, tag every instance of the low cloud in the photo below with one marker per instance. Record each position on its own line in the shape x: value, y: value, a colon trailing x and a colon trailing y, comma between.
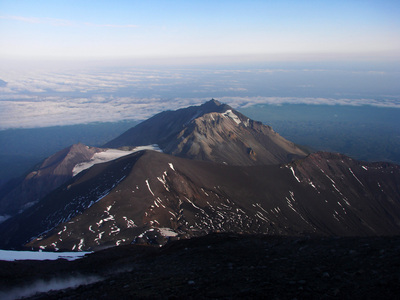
x: 42, y: 286
x: 26, y: 112
x: 35, y: 98
x: 250, y: 101
x: 64, y: 111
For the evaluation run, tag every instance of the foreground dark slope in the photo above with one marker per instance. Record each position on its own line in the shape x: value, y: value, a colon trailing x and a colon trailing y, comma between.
x: 220, y: 266
x: 211, y: 132
x: 149, y: 197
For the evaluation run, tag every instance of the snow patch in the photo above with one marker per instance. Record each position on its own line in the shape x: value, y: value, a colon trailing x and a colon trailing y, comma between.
x: 114, y: 229
x: 229, y: 113
x: 109, y: 218
x: 80, y: 245
x: 98, y: 158
x: 129, y: 223
x: 154, y: 147
x: 99, y: 236
x: 108, y: 155
x: 163, y: 181
x: 9, y: 255
x: 167, y: 232
x: 313, y: 185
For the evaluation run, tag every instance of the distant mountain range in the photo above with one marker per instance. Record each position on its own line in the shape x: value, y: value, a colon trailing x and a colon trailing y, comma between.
x: 220, y: 172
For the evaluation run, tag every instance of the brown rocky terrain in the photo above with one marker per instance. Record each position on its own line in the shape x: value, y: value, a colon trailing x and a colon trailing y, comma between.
x: 150, y: 197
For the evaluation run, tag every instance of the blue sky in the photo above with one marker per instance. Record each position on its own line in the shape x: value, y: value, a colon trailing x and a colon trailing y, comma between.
x: 264, y: 30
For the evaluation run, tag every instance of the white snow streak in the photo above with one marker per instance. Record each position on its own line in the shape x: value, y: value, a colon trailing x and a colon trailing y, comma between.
x: 129, y: 223
x: 148, y: 185
x: 80, y: 245
x: 355, y: 177
x: 163, y: 181
x: 294, y: 174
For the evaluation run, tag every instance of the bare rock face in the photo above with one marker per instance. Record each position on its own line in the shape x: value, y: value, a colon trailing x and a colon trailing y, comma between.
x: 212, y: 132
x: 233, y: 140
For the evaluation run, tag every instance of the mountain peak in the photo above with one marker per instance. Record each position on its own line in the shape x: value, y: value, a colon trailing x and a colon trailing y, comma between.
x: 213, y: 102
x: 214, y: 106
x: 213, y: 131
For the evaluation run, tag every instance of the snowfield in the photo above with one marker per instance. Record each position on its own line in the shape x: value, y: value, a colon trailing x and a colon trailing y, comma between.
x: 108, y: 155
x: 229, y: 113
x: 10, y: 255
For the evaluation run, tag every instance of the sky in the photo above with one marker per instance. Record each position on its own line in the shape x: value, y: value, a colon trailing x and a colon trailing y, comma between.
x: 194, y: 30
x: 74, y: 62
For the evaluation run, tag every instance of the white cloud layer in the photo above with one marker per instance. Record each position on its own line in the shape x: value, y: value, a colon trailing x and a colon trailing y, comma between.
x: 64, y: 111
x: 64, y: 97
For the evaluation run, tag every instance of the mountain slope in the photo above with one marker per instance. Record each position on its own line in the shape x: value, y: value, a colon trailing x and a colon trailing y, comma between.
x: 150, y: 197
x: 55, y: 171
x: 164, y: 126
x: 49, y: 175
x: 211, y: 132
